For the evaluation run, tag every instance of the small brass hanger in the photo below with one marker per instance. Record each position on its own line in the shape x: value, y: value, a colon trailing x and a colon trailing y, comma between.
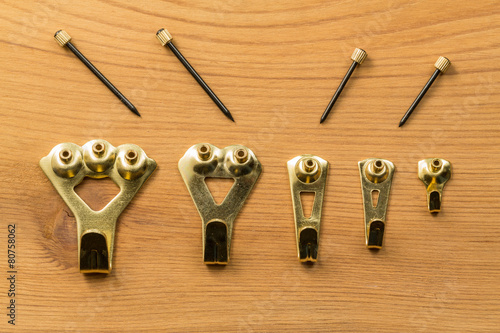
x: 307, y: 173
x: 376, y: 178
x: 434, y: 173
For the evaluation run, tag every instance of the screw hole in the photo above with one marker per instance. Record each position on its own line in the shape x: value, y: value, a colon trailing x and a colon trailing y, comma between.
x: 204, y: 152
x: 65, y: 155
x: 436, y: 164
x: 98, y: 148
x: 375, y: 196
x: 378, y: 163
x: 241, y: 155
x: 132, y: 154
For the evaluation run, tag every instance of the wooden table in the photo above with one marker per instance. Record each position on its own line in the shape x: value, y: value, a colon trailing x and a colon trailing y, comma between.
x: 275, y: 65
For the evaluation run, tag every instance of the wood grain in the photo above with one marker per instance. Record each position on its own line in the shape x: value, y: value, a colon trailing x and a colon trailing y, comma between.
x: 275, y: 65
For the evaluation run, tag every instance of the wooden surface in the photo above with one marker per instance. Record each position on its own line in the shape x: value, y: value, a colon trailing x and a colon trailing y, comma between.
x: 275, y: 64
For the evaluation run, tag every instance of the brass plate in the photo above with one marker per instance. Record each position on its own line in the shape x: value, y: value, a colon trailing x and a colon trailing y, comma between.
x: 376, y: 178
x: 68, y: 164
x: 206, y: 160
x: 307, y: 173
x: 434, y: 173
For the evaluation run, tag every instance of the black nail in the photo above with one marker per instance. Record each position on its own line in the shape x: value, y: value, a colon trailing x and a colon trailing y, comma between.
x: 64, y: 39
x: 357, y: 57
x: 441, y: 65
x: 166, y: 39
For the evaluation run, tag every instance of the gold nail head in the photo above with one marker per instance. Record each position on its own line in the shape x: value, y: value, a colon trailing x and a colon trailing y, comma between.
x: 442, y: 64
x: 359, y: 55
x: 62, y: 37
x: 164, y: 36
